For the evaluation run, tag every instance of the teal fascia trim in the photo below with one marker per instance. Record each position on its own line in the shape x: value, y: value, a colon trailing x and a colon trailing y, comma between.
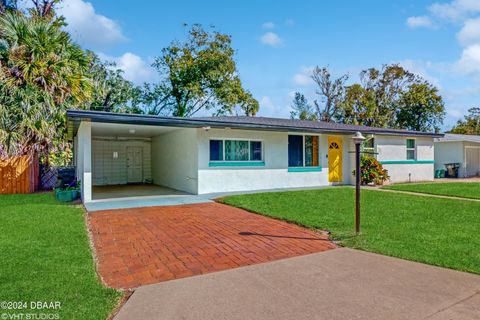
x: 237, y: 164
x: 407, y: 161
x: 304, y: 169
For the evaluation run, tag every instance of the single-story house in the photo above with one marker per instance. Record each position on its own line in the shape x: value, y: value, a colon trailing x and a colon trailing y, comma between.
x: 226, y: 154
x: 461, y: 149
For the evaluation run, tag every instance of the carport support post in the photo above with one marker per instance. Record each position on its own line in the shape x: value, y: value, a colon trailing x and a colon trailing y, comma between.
x: 84, y: 159
x: 357, y: 139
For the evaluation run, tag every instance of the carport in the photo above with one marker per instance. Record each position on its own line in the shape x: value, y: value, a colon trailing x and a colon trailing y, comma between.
x: 461, y: 149
x: 120, y: 161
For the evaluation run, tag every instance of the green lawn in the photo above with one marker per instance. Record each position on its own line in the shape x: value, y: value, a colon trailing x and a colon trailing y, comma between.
x: 456, y: 189
x: 436, y: 231
x: 45, y: 256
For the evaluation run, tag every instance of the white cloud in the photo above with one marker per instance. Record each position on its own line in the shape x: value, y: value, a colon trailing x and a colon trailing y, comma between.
x: 467, y: 14
x: 303, y: 77
x: 268, y: 25
x: 267, y: 107
x: 460, y: 93
x: 454, y: 113
x: 470, y: 32
x: 271, y: 39
x: 420, y: 22
x: 89, y: 28
x: 455, y: 10
x: 469, y: 62
x: 134, y: 67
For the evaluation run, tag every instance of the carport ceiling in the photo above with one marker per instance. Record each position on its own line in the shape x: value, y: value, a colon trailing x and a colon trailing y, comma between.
x: 127, y: 130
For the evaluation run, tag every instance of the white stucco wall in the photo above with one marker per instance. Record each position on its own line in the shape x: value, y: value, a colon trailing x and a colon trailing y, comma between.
x: 83, y: 156
x: 174, y: 160
x: 108, y: 170
x: 410, y: 172
x: 274, y: 174
x: 394, y: 148
x: 449, y: 152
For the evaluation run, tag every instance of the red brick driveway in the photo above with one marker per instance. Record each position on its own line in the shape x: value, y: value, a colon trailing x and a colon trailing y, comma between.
x: 152, y: 244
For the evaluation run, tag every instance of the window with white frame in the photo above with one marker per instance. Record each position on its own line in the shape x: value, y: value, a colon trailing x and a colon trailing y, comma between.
x: 236, y: 150
x: 411, y: 150
x: 303, y: 151
x: 368, y: 146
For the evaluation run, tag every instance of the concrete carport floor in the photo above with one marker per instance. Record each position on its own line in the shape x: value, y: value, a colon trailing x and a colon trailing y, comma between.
x: 336, y: 284
x: 126, y: 191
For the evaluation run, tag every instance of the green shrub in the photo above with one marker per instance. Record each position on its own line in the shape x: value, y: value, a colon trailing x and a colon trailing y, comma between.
x: 372, y: 171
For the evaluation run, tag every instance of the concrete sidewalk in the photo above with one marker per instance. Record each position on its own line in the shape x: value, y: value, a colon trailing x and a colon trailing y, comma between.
x: 337, y: 284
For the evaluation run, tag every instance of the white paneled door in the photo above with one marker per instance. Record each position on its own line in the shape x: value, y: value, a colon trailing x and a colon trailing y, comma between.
x: 134, y: 165
x: 473, y: 161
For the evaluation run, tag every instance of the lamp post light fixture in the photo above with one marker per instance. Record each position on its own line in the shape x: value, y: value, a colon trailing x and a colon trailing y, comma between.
x: 357, y: 140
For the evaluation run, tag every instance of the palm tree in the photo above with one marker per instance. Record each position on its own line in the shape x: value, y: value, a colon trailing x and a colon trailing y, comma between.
x: 41, y: 73
x: 37, y: 52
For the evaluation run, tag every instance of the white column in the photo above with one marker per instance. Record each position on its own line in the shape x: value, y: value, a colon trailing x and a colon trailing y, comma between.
x: 84, y: 164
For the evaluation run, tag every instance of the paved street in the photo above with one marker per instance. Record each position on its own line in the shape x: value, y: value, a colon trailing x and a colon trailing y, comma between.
x: 336, y: 284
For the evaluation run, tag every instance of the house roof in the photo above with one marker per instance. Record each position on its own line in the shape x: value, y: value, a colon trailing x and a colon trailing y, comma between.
x: 233, y: 122
x: 449, y: 137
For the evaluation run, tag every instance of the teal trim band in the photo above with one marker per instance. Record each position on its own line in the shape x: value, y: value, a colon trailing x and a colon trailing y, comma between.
x: 407, y: 161
x: 237, y: 164
x: 304, y: 169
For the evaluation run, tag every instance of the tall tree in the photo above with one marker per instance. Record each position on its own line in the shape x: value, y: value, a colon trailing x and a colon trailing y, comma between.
x: 302, y: 109
x: 111, y: 91
x: 470, y: 124
x: 392, y: 97
x: 247, y: 105
x: 330, y: 90
x: 386, y: 85
x: 358, y: 106
x: 421, y: 108
x: 198, y: 74
x: 387, y: 97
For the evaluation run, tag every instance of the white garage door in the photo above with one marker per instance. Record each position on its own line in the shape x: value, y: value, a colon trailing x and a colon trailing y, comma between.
x: 473, y: 161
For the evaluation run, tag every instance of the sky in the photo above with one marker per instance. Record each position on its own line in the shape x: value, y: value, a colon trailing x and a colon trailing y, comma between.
x: 278, y: 43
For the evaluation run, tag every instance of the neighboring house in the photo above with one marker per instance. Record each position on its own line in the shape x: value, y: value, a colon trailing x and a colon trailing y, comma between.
x: 224, y: 154
x: 461, y: 149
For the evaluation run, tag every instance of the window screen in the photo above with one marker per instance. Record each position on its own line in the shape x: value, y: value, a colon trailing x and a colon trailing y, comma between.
x: 410, y: 149
x: 295, y: 151
x: 216, y: 150
x: 255, y: 150
x: 311, y: 151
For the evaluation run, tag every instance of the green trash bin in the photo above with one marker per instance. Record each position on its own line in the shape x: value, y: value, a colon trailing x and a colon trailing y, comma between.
x: 439, y: 173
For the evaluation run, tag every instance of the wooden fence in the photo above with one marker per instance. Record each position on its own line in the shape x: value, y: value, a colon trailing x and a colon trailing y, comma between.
x: 19, y: 175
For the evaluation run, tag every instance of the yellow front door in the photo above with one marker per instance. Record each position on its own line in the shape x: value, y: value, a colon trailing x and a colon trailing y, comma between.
x: 335, y: 159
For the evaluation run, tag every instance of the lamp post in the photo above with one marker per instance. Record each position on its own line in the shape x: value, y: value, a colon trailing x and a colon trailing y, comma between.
x: 357, y: 140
